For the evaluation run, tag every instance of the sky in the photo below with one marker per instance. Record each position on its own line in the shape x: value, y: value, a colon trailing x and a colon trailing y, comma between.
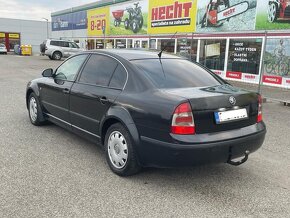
x: 35, y: 10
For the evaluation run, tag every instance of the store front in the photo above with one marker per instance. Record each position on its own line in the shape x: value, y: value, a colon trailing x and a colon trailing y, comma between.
x: 10, y: 40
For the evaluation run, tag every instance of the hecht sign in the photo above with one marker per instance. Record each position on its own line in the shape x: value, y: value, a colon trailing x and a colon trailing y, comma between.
x: 169, y: 16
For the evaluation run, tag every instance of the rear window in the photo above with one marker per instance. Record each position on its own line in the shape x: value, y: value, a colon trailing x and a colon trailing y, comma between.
x: 176, y: 73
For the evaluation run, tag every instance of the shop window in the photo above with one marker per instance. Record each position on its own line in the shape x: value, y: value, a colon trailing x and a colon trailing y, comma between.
x: 129, y: 43
x: 167, y: 44
x: 187, y: 48
x: 212, y: 53
x: 109, y: 43
x: 244, y: 55
x: 152, y: 44
x: 120, y: 43
x: 277, y: 57
x: 99, y: 44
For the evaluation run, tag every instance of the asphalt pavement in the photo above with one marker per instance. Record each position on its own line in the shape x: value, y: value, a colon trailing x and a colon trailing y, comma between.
x: 50, y: 172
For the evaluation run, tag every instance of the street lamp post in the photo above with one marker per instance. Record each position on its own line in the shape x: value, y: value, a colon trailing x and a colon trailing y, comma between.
x: 46, y: 27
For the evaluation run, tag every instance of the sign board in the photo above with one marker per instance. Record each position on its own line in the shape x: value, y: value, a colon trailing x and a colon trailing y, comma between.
x: 169, y: 16
x: 98, y: 21
x: 14, y: 36
x: 2, y: 35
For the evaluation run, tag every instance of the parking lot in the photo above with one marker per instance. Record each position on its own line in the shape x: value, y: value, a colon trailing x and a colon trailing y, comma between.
x: 50, y: 172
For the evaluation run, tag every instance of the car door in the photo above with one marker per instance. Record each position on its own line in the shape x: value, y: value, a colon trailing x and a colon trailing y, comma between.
x: 65, y: 48
x: 54, y: 92
x: 74, y: 48
x: 91, y: 95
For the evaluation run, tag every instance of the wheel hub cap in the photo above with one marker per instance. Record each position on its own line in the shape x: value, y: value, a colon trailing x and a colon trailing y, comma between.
x: 117, y: 150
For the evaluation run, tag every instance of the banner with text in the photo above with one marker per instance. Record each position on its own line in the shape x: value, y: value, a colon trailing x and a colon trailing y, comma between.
x: 98, y: 22
x: 169, y: 16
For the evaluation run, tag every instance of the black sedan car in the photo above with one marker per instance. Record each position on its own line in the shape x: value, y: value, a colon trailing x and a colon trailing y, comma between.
x: 147, y: 110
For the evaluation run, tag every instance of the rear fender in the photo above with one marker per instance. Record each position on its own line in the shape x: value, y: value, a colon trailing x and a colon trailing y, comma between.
x: 123, y: 116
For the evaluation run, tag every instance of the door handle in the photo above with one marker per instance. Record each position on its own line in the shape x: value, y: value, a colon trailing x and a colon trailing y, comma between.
x: 65, y: 91
x: 104, y: 100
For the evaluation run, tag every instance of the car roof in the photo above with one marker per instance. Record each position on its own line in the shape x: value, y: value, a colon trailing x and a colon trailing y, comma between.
x: 135, y: 54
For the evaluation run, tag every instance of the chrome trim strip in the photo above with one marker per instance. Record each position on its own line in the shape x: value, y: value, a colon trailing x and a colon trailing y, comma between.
x: 72, y: 125
x: 57, y: 119
x: 86, y: 131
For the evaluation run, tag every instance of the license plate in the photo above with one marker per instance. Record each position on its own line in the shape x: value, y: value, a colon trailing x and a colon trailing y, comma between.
x: 232, y: 115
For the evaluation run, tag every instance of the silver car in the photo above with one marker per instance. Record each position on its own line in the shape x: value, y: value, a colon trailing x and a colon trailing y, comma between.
x: 57, y: 49
x: 3, y: 49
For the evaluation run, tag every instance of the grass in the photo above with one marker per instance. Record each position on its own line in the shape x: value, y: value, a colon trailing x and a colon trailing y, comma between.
x: 120, y: 30
x: 263, y: 24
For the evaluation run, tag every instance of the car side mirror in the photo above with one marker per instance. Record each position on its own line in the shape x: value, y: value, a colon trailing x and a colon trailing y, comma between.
x: 47, y: 73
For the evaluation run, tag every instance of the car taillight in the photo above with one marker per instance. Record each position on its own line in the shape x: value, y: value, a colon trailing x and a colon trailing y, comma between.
x: 46, y: 48
x: 182, y: 121
x: 259, y: 117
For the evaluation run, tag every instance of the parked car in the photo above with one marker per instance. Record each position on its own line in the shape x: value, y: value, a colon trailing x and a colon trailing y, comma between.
x: 3, y: 49
x: 148, y: 111
x: 58, y: 49
x: 278, y: 9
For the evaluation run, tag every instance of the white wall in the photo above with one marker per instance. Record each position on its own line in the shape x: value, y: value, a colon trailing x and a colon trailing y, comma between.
x: 32, y: 32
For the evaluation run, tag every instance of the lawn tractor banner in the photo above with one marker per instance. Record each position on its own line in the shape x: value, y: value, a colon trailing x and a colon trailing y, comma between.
x: 277, y: 62
x: 273, y: 14
x: 129, y: 18
x: 98, y: 22
x: 226, y: 15
x: 169, y: 16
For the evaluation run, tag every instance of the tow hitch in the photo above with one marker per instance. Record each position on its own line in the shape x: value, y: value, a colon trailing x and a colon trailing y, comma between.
x: 237, y: 163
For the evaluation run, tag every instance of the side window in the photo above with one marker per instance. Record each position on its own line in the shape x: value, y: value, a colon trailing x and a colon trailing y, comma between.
x: 53, y: 43
x: 119, y: 78
x: 98, y: 70
x: 69, y: 69
x: 73, y: 45
x: 64, y: 44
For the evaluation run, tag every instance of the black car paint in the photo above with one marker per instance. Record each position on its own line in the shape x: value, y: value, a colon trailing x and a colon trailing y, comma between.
x: 147, y: 113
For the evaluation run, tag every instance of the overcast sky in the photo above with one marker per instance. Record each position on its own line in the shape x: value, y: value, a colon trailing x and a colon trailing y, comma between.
x: 37, y: 9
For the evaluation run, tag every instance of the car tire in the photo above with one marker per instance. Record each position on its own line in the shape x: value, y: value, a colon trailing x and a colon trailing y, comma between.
x: 126, y: 23
x: 50, y: 57
x: 120, y: 152
x: 35, y: 111
x: 57, y: 55
x: 272, y: 12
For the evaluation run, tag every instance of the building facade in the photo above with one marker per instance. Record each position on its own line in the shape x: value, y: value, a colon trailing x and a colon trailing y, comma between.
x: 243, y: 40
x: 24, y: 32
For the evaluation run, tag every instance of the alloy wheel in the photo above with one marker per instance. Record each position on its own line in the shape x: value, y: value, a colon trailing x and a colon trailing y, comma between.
x: 33, y: 109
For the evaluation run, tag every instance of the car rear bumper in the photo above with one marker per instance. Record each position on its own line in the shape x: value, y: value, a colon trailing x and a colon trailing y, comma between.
x: 154, y: 153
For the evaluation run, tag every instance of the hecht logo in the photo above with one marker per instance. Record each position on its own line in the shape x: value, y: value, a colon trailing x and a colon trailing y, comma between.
x: 177, y: 10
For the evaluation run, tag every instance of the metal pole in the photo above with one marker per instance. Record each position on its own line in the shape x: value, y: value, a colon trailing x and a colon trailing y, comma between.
x: 261, y: 70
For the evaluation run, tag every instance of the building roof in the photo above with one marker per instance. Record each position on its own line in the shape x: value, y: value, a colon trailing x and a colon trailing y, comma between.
x: 89, y: 6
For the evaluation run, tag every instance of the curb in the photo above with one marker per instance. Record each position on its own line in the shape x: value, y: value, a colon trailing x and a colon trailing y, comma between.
x: 283, y: 102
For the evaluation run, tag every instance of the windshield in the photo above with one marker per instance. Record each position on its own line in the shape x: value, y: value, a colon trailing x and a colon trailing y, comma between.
x: 2, y: 45
x: 176, y: 73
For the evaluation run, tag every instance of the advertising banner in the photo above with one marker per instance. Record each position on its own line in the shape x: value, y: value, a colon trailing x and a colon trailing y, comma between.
x: 225, y: 15
x: 2, y: 35
x: 129, y: 18
x: 71, y: 21
x: 277, y: 62
x: 273, y: 14
x: 244, y: 59
x: 14, y: 36
x: 169, y: 16
x: 98, y: 22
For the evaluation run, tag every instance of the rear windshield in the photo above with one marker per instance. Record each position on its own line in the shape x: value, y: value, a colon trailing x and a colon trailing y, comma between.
x: 176, y: 73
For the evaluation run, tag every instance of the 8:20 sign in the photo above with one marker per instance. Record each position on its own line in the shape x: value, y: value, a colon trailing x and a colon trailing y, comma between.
x: 98, y: 24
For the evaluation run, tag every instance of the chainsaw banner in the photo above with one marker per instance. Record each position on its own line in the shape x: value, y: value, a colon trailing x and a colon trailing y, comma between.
x: 273, y: 14
x: 129, y: 18
x: 98, y: 21
x: 170, y: 16
x: 226, y: 15
x: 277, y: 62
